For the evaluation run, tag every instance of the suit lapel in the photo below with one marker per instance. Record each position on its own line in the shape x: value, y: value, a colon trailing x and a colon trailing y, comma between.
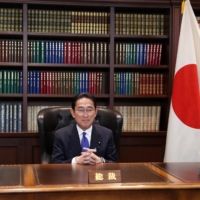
x: 95, y: 139
x: 74, y: 141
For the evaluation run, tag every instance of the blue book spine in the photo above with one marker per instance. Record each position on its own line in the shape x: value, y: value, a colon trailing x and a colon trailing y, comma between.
x: 46, y: 52
x: 14, y: 117
x: 56, y: 52
x: 61, y: 52
x: 37, y: 82
x: 11, y: 117
x: 34, y: 82
x: 31, y: 82
x: 52, y: 52
x: 141, y: 54
x: 49, y: 52
x: 19, y: 117
x: 21, y: 82
x: 2, y: 117
x: 28, y: 81
x: 137, y: 54
x: 86, y: 82
x: 144, y: 54
x: 7, y: 118
x: 83, y: 85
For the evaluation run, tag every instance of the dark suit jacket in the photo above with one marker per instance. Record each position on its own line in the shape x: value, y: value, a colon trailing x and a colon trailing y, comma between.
x: 67, y: 144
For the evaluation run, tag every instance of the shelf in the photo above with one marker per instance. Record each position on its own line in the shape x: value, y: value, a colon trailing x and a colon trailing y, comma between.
x: 66, y: 35
x: 141, y: 66
x: 75, y: 66
x: 11, y: 64
x: 144, y: 133
x: 121, y: 96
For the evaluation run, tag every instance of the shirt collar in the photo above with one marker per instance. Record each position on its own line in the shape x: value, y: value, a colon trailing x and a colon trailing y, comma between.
x: 88, y: 131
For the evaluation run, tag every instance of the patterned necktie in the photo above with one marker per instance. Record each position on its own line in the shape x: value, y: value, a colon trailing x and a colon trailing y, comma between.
x: 84, y: 142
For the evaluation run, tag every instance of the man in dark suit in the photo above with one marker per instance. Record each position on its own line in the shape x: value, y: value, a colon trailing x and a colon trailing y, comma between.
x: 84, y: 142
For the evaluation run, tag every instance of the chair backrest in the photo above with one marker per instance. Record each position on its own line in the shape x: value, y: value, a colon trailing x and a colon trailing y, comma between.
x: 51, y: 119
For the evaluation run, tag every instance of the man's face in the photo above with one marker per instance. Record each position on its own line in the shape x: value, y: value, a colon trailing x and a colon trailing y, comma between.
x: 84, y: 113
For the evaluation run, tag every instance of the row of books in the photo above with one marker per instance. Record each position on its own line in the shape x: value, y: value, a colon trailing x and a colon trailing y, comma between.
x: 138, y: 83
x: 63, y: 21
x: 10, y: 117
x: 32, y: 113
x: 81, y: 52
x: 10, y: 19
x: 68, y: 52
x: 11, y: 51
x: 140, y: 118
x: 138, y: 53
x: 139, y: 24
x: 11, y: 82
x: 59, y: 82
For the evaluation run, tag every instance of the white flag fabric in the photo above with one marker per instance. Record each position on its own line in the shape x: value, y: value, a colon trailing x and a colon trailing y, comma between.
x: 183, y: 134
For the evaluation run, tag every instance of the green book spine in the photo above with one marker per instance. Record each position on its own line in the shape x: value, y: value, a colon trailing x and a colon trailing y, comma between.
x: 4, y: 81
x: 12, y: 82
x: 34, y: 52
x: 8, y: 81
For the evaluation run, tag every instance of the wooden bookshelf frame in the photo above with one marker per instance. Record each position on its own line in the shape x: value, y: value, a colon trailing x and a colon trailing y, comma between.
x: 144, y: 142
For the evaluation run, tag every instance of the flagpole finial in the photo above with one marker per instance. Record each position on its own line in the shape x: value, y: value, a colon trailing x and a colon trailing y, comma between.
x: 182, y: 6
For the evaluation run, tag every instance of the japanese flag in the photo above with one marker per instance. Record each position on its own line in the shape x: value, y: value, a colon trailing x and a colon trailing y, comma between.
x: 183, y: 134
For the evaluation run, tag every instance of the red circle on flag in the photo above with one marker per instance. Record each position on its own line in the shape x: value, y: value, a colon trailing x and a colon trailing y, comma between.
x: 185, y: 96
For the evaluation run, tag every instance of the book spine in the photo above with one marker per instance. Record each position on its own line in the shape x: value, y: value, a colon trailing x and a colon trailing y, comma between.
x: 19, y: 117
x: 2, y: 116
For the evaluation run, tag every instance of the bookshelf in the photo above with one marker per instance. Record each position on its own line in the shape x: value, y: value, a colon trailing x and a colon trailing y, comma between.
x: 120, y: 51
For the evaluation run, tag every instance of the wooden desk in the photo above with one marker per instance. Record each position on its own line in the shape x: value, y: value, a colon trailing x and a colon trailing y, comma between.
x: 158, y: 181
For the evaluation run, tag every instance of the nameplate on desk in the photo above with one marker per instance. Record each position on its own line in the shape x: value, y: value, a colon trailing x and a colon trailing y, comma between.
x: 104, y: 176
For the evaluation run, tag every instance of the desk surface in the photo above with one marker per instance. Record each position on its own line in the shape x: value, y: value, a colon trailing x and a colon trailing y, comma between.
x: 140, y: 180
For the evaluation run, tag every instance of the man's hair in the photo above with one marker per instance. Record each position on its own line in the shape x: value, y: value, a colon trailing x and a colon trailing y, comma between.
x: 83, y: 95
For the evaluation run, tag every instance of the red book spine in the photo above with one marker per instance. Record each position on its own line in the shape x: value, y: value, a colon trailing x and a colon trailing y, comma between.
x: 75, y: 52
x: 141, y: 84
x: 78, y: 52
x: 72, y: 52
x: 45, y: 82
x: 47, y: 78
x: 65, y: 52
x: 160, y: 54
x: 147, y: 83
x: 56, y: 83
x: 148, y: 54
x: 69, y: 52
x: 94, y: 82
x: 90, y: 82
x: 50, y: 82
x: 155, y: 82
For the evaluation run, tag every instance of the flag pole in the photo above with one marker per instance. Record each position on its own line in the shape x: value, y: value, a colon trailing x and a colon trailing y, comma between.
x: 182, y: 6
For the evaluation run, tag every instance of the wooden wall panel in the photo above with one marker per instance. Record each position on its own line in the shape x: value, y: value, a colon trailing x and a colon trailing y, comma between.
x: 142, y: 149
x: 11, y: 151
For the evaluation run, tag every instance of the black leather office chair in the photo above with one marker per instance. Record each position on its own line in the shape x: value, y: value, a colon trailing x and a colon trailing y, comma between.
x: 51, y: 119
